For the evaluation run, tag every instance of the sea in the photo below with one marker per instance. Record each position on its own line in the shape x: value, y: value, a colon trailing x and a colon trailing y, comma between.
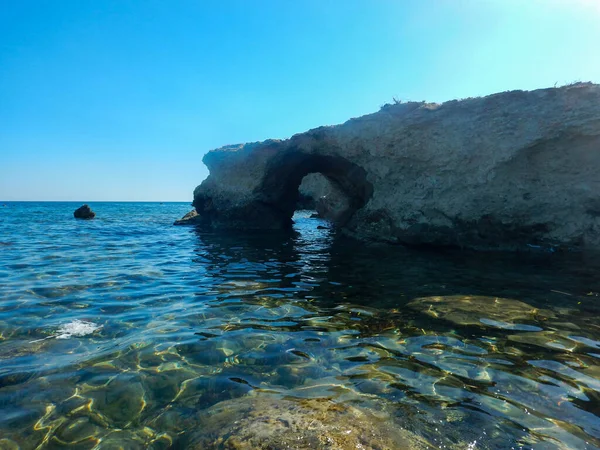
x: 125, y: 331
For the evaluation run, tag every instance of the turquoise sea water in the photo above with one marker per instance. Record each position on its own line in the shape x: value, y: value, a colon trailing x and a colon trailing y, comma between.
x: 119, y: 332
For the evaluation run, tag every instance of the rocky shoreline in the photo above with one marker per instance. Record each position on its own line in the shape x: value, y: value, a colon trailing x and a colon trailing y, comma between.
x: 515, y: 170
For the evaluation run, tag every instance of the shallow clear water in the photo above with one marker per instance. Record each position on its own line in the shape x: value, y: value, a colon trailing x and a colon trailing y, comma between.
x: 117, y: 332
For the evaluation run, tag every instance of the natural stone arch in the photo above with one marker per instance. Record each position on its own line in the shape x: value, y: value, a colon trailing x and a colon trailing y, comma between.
x: 284, y: 174
x: 517, y: 170
x: 255, y: 186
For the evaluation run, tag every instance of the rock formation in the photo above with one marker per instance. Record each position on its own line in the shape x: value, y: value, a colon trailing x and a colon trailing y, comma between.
x: 270, y: 423
x: 511, y: 170
x: 84, y: 212
x: 191, y: 218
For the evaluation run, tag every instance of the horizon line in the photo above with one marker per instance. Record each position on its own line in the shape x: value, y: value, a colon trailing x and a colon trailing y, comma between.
x: 95, y: 201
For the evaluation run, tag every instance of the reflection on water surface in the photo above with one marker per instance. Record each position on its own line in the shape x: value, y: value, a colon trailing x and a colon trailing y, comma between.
x: 128, y: 332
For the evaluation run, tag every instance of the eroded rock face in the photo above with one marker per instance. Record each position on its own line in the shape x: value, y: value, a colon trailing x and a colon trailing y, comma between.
x: 509, y: 171
x: 270, y: 423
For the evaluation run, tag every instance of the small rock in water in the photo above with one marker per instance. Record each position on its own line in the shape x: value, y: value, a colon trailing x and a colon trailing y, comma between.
x: 84, y: 212
x: 191, y: 218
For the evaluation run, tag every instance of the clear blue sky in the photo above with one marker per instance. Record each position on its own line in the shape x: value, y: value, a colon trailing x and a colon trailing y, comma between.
x: 119, y: 100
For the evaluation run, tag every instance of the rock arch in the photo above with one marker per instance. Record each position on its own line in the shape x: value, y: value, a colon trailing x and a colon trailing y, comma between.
x: 284, y: 174
x: 515, y: 170
x: 258, y: 187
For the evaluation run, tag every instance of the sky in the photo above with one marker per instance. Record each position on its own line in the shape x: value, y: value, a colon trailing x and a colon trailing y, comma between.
x: 120, y: 99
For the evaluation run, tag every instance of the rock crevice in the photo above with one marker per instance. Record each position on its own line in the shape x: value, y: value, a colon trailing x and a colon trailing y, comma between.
x: 509, y: 171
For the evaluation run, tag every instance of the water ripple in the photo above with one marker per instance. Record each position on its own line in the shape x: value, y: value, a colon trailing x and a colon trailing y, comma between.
x: 164, y: 323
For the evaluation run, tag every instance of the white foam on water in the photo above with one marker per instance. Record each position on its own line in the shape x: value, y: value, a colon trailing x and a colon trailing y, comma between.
x: 75, y: 328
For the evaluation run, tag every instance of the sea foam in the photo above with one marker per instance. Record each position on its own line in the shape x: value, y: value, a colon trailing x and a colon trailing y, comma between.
x: 75, y: 328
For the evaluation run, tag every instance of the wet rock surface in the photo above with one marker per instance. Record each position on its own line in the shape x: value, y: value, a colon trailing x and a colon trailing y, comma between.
x: 273, y: 423
x: 515, y: 170
x: 84, y: 212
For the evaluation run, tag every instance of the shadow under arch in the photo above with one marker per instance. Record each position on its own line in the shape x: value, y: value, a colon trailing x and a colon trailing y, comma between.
x: 279, y: 188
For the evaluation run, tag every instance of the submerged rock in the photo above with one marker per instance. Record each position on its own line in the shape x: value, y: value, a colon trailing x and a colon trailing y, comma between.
x: 507, y: 171
x: 272, y: 423
x: 84, y: 212
x: 482, y: 311
x: 191, y: 218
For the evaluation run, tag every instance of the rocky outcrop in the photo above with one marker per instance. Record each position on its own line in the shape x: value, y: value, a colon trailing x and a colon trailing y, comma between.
x: 511, y: 170
x: 84, y: 212
x: 191, y: 218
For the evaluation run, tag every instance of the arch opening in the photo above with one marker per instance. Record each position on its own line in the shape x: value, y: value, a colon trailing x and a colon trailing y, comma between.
x: 280, y: 186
